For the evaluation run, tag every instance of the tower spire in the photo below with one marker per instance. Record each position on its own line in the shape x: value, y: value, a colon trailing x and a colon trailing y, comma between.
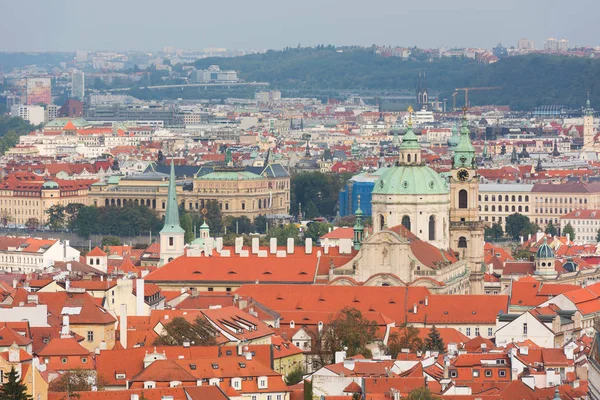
x: 172, y: 213
x: 358, y: 227
x: 410, y: 150
x: 172, y: 234
x: 464, y: 152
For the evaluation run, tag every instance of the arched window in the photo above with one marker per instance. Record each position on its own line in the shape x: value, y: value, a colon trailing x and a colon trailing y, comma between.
x: 406, y: 222
x: 486, y: 208
x: 526, y: 208
x: 526, y: 198
x: 462, y: 242
x: 520, y: 198
x: 486, y: 198
x: 381, y: 222
x: 506, y: 208
x: 493, y: 208
x: 97, y: 261
x: 408, y: 158
x: 462, y: 199
x: 493, y: 197
x: 432, y: 228
x: 520, y: 208
x: 513, y: 198
x: 513, y: 208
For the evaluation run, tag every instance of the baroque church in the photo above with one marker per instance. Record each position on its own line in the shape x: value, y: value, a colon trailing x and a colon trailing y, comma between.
x: 426, y: 227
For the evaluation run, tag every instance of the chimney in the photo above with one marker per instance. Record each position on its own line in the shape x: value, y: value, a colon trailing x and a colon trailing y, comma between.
x: 123, y: 326
x: 15, y: 282
x: 415, y: 308
x: 349, y: 363
x: 568, y: 238
x: 308, y: 245
x: 426, y: 300
x: 255, y: 245
x: 139, y: 298
x: 290, y: 245
x: 65, y: 331
x: 273, y: 246
x: 239, y: 244
x: 67, y: 285
x: 134, y: 397
x: 326, y: 246
x: 69, y: 267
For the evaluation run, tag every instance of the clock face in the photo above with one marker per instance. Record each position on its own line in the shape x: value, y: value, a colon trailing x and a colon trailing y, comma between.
x: 462, y: 174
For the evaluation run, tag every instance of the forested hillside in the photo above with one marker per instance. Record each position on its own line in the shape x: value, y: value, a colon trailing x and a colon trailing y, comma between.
x: 526, y: 81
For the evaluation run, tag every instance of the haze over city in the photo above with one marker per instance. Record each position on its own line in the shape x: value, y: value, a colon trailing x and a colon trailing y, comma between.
x: 268, y: 24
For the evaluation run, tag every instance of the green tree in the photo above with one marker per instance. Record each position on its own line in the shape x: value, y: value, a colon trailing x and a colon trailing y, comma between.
x: 598, y: 236
x: 238, y: 225
x: 282, y: 233
x: 568, y: 229
x: 260, y: 224
x: 13, y: 388
x: 421, y: 393
x: 187, y: 224
x: 214, y: 217
x: 434, y: 341
x: 550, y: 229
x: 32, y: 223
x: 351, y: 330
x: 316, y: 229
x: 56, y: 216
x: 77, y: 380
x: 348, y: 220
x: 519, y: 225
x: 111, y: 241
x: 406, y: 338
x: 494, y: 232
x: 317, y: 192
x: 86, y: 221
x: 179, y: 330
x: 294, y: 376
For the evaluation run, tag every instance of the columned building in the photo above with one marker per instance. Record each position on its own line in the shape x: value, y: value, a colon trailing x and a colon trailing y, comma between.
x: 239, y: 191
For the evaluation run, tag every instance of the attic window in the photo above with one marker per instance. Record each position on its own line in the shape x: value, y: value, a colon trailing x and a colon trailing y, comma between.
x: 120, y: 376
x: 215, y: 366
x: 474, y: 312
x: 445, y: 312
x: 228, y: 352
x: 267, y: 273
x: 232, y: 272
x: 193, y: 367
x: 196, y: 272
x: 242, y: 365
x: 302, y: 273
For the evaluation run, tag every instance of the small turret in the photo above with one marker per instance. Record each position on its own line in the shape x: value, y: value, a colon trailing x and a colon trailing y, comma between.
x: 359, y: 229
x: 514, y: 157
x: 410, y: 150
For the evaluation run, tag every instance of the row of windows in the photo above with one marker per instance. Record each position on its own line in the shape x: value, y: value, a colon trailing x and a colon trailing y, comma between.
x: 506, y: 208
x: 476, y: 373
x: 490, y: 331
x: 506, y: 198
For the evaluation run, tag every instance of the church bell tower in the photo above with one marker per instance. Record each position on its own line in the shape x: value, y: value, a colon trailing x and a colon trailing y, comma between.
x: 466, y: 230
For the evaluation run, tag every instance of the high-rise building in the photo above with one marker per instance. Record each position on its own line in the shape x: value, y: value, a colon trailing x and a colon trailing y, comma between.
x: 525, y: 45
x: 77, y: 85
x: 35, y: 115
x: 551, y: 44
x: 38, y: 90
x: 563, y: 45
x: 81, y: 56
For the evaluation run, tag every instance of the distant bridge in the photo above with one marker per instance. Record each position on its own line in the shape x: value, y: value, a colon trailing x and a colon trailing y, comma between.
x: 191, y: 85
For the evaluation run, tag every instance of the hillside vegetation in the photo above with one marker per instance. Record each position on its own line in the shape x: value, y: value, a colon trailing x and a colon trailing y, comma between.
x: 526, y: 81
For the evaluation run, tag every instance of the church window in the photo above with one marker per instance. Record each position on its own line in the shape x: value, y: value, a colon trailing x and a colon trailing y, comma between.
x: 408, y: 158
x: 462, y: 199
x: 381, y: 222
x: 170, y: 240
x: 406, y: 222
x: 462, y: 242
x: 432, y: 228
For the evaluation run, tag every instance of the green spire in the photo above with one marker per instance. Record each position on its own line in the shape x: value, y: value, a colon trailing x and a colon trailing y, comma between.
x: 588, y: 106
x: 358, y: 227
x: 464, y: 152
x: 410, y: 140
x: 172, y: 214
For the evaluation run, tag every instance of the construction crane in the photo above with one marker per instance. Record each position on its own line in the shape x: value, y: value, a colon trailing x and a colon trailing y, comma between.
x: 466, y: 90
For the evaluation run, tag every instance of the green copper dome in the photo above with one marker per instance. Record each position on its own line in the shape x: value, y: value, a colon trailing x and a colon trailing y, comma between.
x: 544, y: 251
x: 410, y: 180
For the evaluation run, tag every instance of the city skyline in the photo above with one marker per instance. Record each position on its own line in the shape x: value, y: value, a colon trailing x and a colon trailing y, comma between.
x: 464, y: 23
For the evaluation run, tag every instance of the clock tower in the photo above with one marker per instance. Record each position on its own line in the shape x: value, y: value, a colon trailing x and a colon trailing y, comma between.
x: 466, y: 230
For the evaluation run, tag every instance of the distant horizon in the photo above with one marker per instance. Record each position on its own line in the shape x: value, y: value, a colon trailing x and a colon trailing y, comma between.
x: 250, y: 50
x: 68, y: 25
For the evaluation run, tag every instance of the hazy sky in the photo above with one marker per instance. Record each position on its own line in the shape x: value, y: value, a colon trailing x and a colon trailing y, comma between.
x: 245, y: 24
